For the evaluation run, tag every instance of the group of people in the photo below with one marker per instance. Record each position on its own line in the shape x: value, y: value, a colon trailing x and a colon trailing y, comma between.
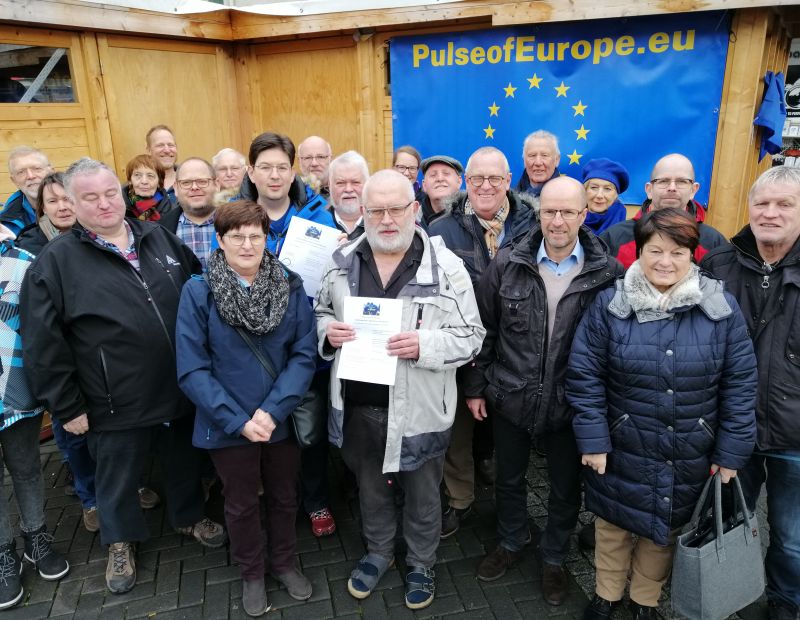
x: 639, y: 355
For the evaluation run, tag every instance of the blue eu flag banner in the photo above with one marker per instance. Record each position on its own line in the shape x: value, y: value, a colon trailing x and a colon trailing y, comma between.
x: 631, y: 90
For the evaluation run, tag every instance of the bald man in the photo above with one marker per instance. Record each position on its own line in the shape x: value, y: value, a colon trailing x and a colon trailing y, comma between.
x: 672, y: 184
x: 517, y: 379
x: 314, y: 154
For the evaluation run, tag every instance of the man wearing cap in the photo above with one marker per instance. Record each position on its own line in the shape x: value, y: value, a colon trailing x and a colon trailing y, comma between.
x: 604, y: 180
x: 672, y: 184
x: 441, y: 178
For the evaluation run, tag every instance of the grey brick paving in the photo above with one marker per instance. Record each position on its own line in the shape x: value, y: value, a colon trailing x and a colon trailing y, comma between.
x: 179, y: 579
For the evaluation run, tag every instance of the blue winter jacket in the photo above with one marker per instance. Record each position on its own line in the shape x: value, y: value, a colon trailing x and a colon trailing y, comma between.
x: 665, y: 399
x: 227, y: 383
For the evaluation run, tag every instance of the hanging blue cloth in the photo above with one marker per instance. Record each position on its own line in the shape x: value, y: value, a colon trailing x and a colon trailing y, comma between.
x: 771, y: 115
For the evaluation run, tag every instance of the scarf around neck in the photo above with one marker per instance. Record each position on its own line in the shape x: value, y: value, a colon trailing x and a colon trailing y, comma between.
x: 493, y: 227
x: 258, y: 308
x: 46, y: 226
x: 650, y: 304
x: 146, y: 209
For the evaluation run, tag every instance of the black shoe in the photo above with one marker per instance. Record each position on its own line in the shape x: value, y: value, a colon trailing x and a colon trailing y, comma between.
x: 10, y: 571
x: 779, y: 611
x: 486, y: 471
x: 586, y: 539
x: 643, y: 612
x: 599, y: 609
x: 39, y: 551
x: 451, y: 520
x: 555, y: 584
x: 495, y: 564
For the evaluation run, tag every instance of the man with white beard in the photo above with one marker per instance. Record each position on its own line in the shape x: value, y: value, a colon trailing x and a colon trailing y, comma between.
x: 396, y: 436
x: 347, y: 175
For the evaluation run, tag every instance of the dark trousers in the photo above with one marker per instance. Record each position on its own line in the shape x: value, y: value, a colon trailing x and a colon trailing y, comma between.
x: 362, y: 451
x: 314, y: 459
x: 241, y: 468
x: 75, y: 450
x: 512, y: 450
x: 121, y: 456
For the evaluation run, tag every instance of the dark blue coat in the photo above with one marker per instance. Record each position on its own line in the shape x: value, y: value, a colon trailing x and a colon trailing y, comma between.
x: 665, y: 399
x: 227, y: 383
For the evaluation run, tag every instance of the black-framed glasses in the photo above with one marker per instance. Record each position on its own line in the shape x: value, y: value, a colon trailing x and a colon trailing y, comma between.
x: 377, y: 213
x: 476, y: 180
x: 664, y: 183
x: 404, y: 169
x: 568, y: 215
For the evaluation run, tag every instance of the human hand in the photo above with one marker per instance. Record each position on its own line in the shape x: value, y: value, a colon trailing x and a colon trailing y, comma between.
x: 78, y: 426
x: 477, y: 407
x: 264, y: 420
x: 338, y: 333
x: 596, y: 461
x: 254, y: 432
x: 341, y: 240
x: 404, y: 345
x: 724, y: 473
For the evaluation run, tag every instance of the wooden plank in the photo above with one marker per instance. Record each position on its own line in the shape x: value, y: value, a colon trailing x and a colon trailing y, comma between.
x: 97, y: 110
x: 231, y: 132
x: 19, y: 35
x: 37, y: 123
x: 164, y: 45
x: 368, y: 141
x: 43, y: 111
x: 304, y: 45
x: 43, y: 138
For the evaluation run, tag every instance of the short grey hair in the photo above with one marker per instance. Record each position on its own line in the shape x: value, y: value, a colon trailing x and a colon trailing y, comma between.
x: 85, y: 166
x: 488, y: 150
x: 388, y: 177
x: 541, y: 134
x: 776, y: 176
x: 228, y: 151
x: 23, y: 151
x: 349, y: 158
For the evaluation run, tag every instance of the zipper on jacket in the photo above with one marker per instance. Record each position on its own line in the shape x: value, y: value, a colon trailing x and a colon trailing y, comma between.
x: 618, y: 422
x: 705, y: 426
x: 169, y: 273
x: 158, y: 313
x: 104, y: 368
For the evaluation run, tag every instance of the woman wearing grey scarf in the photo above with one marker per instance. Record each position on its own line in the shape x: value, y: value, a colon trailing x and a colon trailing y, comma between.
x: 55, y: 214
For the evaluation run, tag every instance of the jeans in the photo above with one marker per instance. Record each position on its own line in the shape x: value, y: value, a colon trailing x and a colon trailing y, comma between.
x: 241, y: 468
x: 121, y: 456
x: 512, y: 452
x: 362, y: 451
x: 20, y: 445
x: 75, y: 450
x: 782, y: 563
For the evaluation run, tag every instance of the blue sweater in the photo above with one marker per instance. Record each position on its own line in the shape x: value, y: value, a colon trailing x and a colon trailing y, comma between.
x: 227, y: 383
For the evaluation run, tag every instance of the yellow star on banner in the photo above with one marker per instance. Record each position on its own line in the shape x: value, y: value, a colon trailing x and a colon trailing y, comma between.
x: 510, y: 90
x: 562, y: 90
x: 489, y: 131
x: 534, y: 81
x: 580, y: 108
x: 574, y: 157
x: 493, y: 109
x: 581, y: 132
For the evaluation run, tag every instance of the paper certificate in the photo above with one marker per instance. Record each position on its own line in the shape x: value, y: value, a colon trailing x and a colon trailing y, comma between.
x: 306, y: 250
x: 366, y: 358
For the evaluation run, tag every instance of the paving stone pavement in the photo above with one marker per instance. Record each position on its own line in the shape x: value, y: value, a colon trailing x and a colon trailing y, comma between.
x: 178, y: 578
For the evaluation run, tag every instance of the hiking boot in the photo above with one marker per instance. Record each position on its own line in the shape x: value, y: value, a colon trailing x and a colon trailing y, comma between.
x: 254, y: 598
x: 296, y: 583
x: 121, y: 569
x: 451, y: 520
x: 39, y: 551
x: 495, y: 564
x: 206, y: 532
x: 91, y: 521
x: 599, y: 609
x: 10, y: 570
x: 148, y: 498
x: 555, y: 585
x: 322, y: 523
x: 643, y: 612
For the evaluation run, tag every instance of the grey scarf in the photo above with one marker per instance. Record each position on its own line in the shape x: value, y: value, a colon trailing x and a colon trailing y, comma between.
x: 259, y: 308
x: 650, y: 304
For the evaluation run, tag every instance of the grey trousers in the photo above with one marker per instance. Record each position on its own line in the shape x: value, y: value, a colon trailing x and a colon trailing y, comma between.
x: 362, y: 451
x: 20, y: 444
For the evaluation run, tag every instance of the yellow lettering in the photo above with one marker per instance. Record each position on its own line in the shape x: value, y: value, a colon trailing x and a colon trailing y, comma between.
x: 421, y: 52
x: 680, y: 47
x: 562, y: 47
x: 494, y: 54
x: 477, y: 55
x: 585, y: 49
x: 450, y: 46
x: 525, y: 49
x: 507, y: 47
x: 659, y: 42
x: 540, y: 52
x: 624, y: 45
x: 462, y: 56
x: 438, y: 58
x: 602, y: 48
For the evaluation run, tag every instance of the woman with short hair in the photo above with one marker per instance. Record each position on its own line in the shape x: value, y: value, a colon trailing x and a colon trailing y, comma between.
x: 144, y: 193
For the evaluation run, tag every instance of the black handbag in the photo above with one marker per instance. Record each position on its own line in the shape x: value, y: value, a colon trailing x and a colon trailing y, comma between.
x: 309, y: 420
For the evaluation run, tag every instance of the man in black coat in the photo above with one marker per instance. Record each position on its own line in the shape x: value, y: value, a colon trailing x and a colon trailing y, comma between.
x: 98, y: 310
x: 761, y: 267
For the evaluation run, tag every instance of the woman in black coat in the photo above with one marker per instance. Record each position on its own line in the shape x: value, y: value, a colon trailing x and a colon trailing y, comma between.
x: 54, y: 214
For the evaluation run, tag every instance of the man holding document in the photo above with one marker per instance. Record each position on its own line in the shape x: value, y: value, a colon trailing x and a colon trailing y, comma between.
x: 397, y: 314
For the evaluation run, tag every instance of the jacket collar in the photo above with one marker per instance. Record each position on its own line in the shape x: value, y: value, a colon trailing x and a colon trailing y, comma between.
x: 595, y: 251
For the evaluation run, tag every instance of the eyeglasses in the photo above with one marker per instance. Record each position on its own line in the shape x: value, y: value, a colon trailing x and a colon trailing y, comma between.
x: 227, y: 169
x: 239, y: 239
x: 664, y: 183
x: 378, y: 213
x: 404, y: 169
x: 568, y: 215
x: 309, y: 158
x: 281, y: 169
x: 187, y: 183
x: 477, y: 180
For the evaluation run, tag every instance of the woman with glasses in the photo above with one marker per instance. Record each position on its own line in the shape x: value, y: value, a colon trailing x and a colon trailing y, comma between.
x: 604, y: 180
x: 249, y: 302
x: 145, y: 197
x: 662, y: 380
x: 406, y: 160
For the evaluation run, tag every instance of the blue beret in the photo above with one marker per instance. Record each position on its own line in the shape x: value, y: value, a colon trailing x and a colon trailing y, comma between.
x: 608, y: 170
